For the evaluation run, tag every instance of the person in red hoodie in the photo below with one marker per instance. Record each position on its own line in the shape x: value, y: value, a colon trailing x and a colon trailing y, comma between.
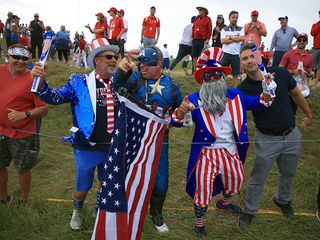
x: 201, y: 33
x: 315, y: 32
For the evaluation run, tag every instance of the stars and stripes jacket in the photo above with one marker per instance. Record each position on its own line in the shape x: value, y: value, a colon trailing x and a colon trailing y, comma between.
x: 204, y: 134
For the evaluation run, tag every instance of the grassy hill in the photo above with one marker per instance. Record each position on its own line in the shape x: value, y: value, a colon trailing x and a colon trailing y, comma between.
x: 45, y: 217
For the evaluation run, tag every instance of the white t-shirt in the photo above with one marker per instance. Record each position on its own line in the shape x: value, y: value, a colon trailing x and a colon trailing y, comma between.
x: 165, y: 53
x: 125, y: 24
x: 232, y: 48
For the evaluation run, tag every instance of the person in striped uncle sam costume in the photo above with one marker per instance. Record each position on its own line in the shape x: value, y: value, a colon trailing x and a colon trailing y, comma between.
x: 220, y: 141
x: 94, y: 107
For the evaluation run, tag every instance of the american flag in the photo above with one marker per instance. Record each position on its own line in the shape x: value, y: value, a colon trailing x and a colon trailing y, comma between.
x: 130, y: 172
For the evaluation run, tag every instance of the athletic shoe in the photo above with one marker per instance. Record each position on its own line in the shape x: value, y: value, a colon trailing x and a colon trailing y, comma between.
x: 245, y: 220
x: 76, y: 221
x: 231, y: 208
x: 200, y: 231
x: 286, y: 209
x: 159, y: 224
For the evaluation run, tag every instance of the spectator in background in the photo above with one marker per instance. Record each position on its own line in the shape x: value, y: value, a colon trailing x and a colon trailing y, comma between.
x: 15, y: 32
x: 18, y: 109
x: 150, y: 32
x: 254, y: 30
x: 231, y: 38
x: 201, y: 33
x: 100, y: 28
x: 24, y: 39
x: 185, y: 45
x: 36, y: 28
x: 216, y: 41
x: 7, y: 29
x: 123, y: 37
x: 265, y: 55
x: 315, y: 33
x: 281, y: 40
x: 166, y: 57
x: 184, y: 65
x: 116, y: 27
x: 53, y: 50
x: 81, y: 53
x: 1, y: 28
x: 63, y: 44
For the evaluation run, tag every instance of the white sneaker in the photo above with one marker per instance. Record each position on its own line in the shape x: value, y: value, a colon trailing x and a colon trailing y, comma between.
x: 163, y: 228
x: 75, y: 222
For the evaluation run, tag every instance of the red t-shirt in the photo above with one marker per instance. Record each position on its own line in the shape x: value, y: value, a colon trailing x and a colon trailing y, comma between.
x: 202, y: 28
x: 15, y: 94
x: 115, y: 27
x: 24, y: 40
x: 100, y: 25
x: 315, y: 32
x: 291, y: 59
x: 150, y: 26
x: 1, y: 25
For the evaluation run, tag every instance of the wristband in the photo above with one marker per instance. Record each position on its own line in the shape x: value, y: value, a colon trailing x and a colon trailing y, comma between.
x: 28, y: 114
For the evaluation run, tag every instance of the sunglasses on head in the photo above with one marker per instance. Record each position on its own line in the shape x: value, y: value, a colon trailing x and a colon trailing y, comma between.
x: 212, y: 76
x: 109, y: 56
x: 18, y: 57
x: 302, y: 40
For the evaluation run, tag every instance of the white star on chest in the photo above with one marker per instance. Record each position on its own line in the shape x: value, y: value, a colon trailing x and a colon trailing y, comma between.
x: 158, y: 89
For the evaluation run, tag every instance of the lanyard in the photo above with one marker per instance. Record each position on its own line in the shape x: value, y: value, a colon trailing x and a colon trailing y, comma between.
x: 153, y: 90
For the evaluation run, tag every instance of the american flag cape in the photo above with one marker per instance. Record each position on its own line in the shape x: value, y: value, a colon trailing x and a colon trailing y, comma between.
x: 130, y: 171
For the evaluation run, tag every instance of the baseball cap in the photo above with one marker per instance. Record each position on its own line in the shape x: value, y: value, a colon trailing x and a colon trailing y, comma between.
x: 113, y: 9
x: 193, y: 18
x: 285, y: 17
x: 220, y: 16
x: 149, y: 57
x: 202, y: 7
x: 304, y: 35
x: 254, y: 13
x: 121, y: 11
x: 153, y: 7
x: 99, y: 14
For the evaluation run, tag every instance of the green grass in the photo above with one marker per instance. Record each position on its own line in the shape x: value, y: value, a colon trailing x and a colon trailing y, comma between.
x: 53, y: 177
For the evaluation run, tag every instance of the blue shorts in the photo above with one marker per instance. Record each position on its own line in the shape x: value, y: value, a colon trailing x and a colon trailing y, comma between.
x: 85, y: 163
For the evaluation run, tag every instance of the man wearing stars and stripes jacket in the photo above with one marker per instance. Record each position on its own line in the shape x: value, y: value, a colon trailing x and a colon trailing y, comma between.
x: 94, y: 107
x: 159, y: 93
x: 220, y: 141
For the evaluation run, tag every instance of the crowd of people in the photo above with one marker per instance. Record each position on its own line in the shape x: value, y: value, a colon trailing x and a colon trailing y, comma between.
x: 219, y: 113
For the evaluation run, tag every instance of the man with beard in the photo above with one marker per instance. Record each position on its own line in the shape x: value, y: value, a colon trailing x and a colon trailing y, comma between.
x: 94, y: 106
x: 162, y: 95
x: 220, y: 140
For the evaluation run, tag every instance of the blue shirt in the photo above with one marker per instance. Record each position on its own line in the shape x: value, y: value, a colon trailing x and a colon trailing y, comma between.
x: 282, y: 39
x: 51, y: 34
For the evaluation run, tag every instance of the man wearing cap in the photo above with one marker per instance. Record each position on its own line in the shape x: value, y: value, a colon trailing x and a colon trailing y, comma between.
x: 315, y: 51
x: 254, y: 30
x: 216, y: 41
x: 94, y: 107
x: 100, y: 28
x: 36, y: 28
x: 150, y: 32
x: 277, y: 139
x: 116, y: 27
x: 162, y: 95
x: 18, y: 110
x: 281, y: 40
x: 231, y: 39
x: 201, y: 33
x: 299, y: 63
x: 123, y: 37
x: 220, y: 140
x: 185, y: 45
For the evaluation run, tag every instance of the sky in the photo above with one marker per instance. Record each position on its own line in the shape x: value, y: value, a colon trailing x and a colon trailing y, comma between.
x: 174, y: 15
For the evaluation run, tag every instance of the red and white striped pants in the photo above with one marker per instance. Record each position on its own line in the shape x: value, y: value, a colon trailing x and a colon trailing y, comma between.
x: 210, y: 163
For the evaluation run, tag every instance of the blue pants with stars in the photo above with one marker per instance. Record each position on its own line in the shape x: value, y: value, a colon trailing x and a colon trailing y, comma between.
x: 161, y: 183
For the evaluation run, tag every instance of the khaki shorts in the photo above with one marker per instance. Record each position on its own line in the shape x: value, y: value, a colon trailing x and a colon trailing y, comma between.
x: 22, y: 151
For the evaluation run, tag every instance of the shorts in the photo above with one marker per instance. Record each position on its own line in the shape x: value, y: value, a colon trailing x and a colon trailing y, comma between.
x: 147, y: 42
x: 316, y: 57
x: 85, y: 163
x: 197, y: 47
x: 233, y: 61
x: 22, y: 151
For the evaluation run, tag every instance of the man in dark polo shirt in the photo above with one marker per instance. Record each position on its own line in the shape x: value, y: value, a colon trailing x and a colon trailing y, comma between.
x: 277, y: 139
x: 36, y: 28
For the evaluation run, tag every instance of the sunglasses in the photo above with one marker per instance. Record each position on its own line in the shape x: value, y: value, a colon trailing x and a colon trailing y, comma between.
x: 109, y: 56
x: 302, y: 40
x: 212, y: 76
x: 18, y: 57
